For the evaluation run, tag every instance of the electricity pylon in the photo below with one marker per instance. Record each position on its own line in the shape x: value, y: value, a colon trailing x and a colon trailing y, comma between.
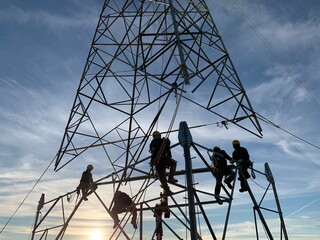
x: 144, y: 53
x: 153, y: 63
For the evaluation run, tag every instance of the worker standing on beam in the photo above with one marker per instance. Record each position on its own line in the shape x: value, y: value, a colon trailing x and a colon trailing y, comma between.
x: 220, y: 168
x: 86, y: 183
x: 161, y: 159
x: 241, y: 156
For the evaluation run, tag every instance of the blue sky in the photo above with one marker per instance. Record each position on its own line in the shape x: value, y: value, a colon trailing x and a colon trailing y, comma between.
x: 274, y: 46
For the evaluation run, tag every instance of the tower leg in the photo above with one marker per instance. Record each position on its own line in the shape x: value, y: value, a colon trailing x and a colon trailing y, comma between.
x: 256, y: 206
x: 270, y: 178
x: 40, y: 206
x: 185, y: 140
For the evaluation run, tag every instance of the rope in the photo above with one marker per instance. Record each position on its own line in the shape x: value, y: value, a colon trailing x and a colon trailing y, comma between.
x: 254, y: 177
x: 27, y: 195
x: 253, y: 173
x: 259, y: 185
x: 175, y: 112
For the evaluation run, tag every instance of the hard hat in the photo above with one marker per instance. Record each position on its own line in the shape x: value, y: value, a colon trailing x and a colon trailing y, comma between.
x: 156, y: 133
x: 90, y: 167
x: 215, y: 148
x: 235, y: 142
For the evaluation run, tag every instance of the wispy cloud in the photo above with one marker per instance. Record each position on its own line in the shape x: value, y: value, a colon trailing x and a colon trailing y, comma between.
x: 43, y: 54
x: 52, y: 20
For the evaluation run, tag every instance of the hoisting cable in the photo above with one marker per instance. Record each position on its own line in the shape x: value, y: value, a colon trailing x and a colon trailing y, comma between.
x: 277, y: 126
x: 163, y: 145
x: 157, y: 158
x: 219, y: 124
x: 143, y: 188
x: 282, y: 61
x: 36, y: 183
x: 290, y: 145
x: 176, y: 109
x: 152, y: 125
x: 142, y: 192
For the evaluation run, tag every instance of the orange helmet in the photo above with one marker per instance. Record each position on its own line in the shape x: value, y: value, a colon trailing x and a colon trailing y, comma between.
x: 156, y: 134
x: 235, y: 142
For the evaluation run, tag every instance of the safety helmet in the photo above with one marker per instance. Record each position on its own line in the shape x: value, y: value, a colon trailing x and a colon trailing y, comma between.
x: 235, y: 142
x: 89, y: 167
x: 156, y: 134
x: 215, y: 148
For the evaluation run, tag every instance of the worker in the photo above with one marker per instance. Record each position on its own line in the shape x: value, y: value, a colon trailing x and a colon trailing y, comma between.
x: 161, y: 159
x: 123, y: 203
x: 241, y: 156
x: 221, y: 168
x: 86, y: 182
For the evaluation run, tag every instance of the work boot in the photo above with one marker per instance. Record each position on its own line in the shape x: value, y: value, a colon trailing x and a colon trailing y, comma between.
x: 228, y: 184
x: 243, y: 186
x: 167, y: 192
x: 243, y: 189
x: 134, y: 224
x: 116, y: 223
x: 172, y: 180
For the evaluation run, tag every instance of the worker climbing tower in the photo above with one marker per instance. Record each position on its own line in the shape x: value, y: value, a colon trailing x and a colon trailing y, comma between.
x: 154, y: 65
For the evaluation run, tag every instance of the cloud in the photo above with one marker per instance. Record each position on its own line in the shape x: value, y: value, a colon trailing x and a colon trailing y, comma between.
x: 40, y: 79
x: 52, y: 20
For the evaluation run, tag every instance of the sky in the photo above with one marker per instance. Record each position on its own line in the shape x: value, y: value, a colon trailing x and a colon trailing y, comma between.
x: 274, y: 46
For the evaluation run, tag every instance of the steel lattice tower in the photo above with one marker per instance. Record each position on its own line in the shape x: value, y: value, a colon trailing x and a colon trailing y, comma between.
x: 140, y: 47
x: 149, y: 60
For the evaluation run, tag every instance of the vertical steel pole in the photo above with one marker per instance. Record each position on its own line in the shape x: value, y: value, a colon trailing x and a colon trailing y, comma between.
x: 229, y: 206
x: 141, y: 222
x: 256, y: 207
x: 40, y: 206
x: 185, y: 140
x: 270, y: 178
x: 65, y: 225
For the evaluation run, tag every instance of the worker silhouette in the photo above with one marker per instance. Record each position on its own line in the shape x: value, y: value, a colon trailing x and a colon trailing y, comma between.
x: 123, y: 203
x: 86, y: 183
x: 241, y: 156
x: 161, y: 159
x: 220, y: 168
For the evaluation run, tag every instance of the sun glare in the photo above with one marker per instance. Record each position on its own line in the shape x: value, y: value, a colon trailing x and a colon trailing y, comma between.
x: 96, y: 235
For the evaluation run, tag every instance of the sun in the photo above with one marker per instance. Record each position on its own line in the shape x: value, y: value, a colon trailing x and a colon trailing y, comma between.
x: 96, y: 235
